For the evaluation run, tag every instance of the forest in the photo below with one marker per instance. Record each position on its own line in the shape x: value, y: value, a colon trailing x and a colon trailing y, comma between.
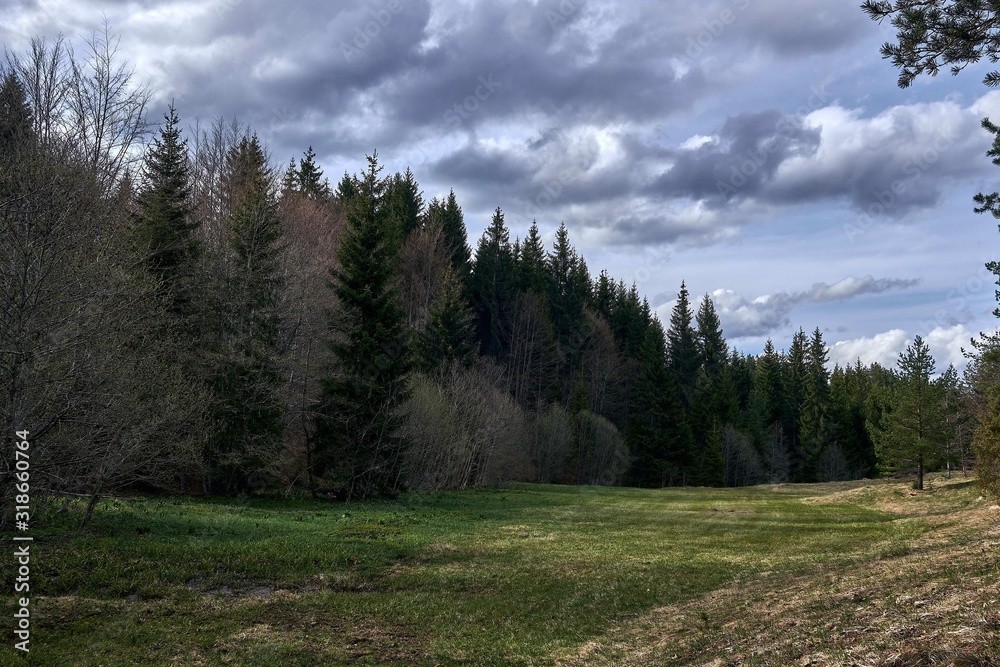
x: 182, y: 313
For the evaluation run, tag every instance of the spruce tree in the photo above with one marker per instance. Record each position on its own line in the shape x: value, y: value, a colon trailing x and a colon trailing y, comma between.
x: 648, y: 425
x: 683, y: 347
x: 815, y: 426
x: 712, y: 349
x: 532, y: 274
x: 794, y: 380
x: 449, y: 214
x: 164, y: 219
x: 247, y: 356
x: 450, y: 337
x: 492, y: 286
x: 404, y: 205
x: 913, y: 433
x: 358, y: 445
x: 309, y: 178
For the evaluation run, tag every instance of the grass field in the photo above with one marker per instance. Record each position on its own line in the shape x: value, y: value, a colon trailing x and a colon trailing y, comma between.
x: 850, y: 574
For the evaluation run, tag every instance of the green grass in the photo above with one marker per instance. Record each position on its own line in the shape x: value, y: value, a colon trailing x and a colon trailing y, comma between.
x: 517, y: 576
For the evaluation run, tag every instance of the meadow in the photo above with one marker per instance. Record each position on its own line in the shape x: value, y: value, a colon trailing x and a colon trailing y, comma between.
x: 866, y: 573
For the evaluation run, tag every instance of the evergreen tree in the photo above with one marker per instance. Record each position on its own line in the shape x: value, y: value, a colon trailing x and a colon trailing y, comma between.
x: 404, y: 204
x: 347, y: 189
x: 648, y: 433
x: 914, y: 431
x: 712, y: 349
x: 451, y: 332
x: 532, y: 271
x: 683, y: 347
x: 309, y: 178
x: 164, y: 219
x: 569, y: 292
x: 794, y: 388
x: 246, y: 382
x: 769, y: 384
x: 290, y: 180
x: 452, y: 221
x: 814, y: 422
x: 357, y: 441
x: 603, y: 299
x: 492, y: 286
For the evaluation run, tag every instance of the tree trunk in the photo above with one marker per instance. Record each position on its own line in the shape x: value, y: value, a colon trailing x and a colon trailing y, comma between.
x: 90, y: 508
x: 920, y: 473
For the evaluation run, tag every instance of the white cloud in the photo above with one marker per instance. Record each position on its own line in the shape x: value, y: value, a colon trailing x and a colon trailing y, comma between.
x: 945, y: 345
x: 881, y: 348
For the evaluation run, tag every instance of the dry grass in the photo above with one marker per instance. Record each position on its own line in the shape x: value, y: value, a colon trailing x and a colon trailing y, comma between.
x: 933, y: 600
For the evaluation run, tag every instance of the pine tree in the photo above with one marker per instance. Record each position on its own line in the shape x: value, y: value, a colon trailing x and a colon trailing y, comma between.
x: 450, y: 337
x: 404, y: 204
x: 492, y: 286
x: 164, y: 219
x: 290, y: 180
x: 814, y: 420
x: 648, y: 425
x: 347, y: 189
x: 246, y: 381
x: 712, y: 349
x: 914, y: 431
x: 357, y: 442
x: 449, y: 214
x: 794, y: 380
x: 532, y: 274
x: 682, y: 347
x: 310, y: 179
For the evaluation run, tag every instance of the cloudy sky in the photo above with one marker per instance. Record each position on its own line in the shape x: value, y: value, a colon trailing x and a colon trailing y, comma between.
x: 760, y: 150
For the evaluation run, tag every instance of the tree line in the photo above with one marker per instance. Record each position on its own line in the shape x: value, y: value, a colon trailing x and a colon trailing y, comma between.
x: 178, y: 313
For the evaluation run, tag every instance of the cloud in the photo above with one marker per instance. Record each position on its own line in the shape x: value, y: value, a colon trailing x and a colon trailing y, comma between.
x: 765, y: 314
x: 945, y: 344
x: 882, y: 349
x: 884, y: 165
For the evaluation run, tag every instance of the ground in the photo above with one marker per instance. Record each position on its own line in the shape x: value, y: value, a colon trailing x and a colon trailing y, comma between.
x: 864, y: 573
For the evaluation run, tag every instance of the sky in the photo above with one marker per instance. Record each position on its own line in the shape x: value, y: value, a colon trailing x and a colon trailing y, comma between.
x: 759, y: 150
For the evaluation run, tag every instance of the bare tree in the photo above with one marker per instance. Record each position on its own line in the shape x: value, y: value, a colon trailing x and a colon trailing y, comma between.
x: 107, y: 108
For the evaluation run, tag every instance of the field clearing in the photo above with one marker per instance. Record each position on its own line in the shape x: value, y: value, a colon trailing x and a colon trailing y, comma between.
x: 864, y: 573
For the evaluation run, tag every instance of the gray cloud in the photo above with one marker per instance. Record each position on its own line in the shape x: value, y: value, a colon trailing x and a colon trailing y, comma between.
x: 741, y: 316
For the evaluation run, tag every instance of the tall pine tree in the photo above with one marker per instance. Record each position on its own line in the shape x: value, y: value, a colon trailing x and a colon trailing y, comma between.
x: 164, y: 219
x: 358, y: 446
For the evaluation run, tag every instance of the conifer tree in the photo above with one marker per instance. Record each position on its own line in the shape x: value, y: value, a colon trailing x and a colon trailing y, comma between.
x: 532, y: 271
x: 247, y: 355
x: 164, y: 219
x: 914, y: 431
x: 794, y: 380
x: 404, y: 204
x: 309, y: 178
x: 815, y: 426
x: 683, y: 348
x: 450, y: 337
x: 712, y: 349
x: 649, y: 425
x: 449, y: 214
x: 290, y: 179
x: 492, y: 286
x: 358, y: 445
